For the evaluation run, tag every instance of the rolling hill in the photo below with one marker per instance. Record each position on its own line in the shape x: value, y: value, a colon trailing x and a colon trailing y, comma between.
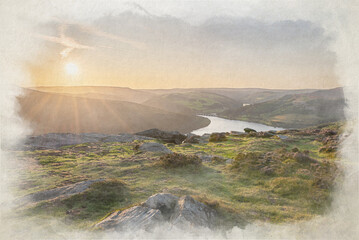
x: 295, y: 111
x: 240, y: 95
x: 192, y: 102
x: 283, y: 108
x: 101, y: 92
x: 60, y: 113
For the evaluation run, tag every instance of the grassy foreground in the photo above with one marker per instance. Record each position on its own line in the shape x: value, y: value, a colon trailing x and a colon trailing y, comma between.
x: 268, y: 179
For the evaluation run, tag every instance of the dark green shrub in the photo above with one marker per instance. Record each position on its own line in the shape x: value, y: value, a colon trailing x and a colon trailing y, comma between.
x: 174, y: 160
x: 247, y: 161
x: 217, y: 137
x: 295, y: 149
x: 98, y: 199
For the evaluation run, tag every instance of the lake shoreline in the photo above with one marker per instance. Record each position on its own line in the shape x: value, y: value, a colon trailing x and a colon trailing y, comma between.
x: 219, y: 124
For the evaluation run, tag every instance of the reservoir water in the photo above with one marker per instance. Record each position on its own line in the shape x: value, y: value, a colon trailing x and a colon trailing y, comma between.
x: 225, y: 125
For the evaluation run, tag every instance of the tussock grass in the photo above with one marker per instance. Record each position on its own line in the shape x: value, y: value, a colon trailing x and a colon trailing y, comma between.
x: 282, y: 189
x: 175, y: 160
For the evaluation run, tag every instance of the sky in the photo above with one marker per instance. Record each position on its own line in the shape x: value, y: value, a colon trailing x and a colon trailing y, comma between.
x: 143, y: 46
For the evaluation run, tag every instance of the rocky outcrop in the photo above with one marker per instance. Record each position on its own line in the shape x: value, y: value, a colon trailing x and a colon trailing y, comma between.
x: 218, y: 137
x: 166, y: 136
x: 56, y: 140
x: 164, y: 202
x: 189, y: 212
x: 154, y: 147
x: 191, y: 138
x: 138, y: 217
x: 248, y: 130
x: 160, y: 208
x: 59, y: 192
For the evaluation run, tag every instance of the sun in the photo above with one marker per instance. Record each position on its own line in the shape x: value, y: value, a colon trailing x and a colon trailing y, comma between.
x: 71, y: 68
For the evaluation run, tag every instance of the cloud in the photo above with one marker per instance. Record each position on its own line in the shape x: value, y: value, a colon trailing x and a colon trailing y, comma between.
x: 162, y: 51
x: 70, y: 44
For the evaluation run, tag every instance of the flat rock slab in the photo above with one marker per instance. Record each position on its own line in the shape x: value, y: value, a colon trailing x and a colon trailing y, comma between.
x: 138, y: 217
x: 184, y: 212
x: 59, y: 192
x: 283, y: 137
x: 166, y: 136
x: 56, y: 140
x: 189, y: 212
x: 154, y: 147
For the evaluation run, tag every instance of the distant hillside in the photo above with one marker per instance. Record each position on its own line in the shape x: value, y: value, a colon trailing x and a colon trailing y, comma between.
x: 99, y: 92
x: 240, y: 95
x: 298, y: 110
x: 256, y: 95
x: 284, y: 108
x: 192, y: 102
x: 52, y: 112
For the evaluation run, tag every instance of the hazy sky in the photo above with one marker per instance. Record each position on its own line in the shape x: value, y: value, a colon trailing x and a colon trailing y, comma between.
x: 143, y: 48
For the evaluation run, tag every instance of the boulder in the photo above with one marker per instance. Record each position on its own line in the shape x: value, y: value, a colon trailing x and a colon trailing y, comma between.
x: 138, y: 217
x: 166, y: 136
x: 159, y: 209
x: 154, y: 147
x: 161, y: 200
x: 189, y: 212
x: 192, y: 139
x: 282, y: 137
x: 164, y: 202
x: 248, y: 130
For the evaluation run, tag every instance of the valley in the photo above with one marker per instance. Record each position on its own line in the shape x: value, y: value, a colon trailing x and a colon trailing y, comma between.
x: 124, y: 110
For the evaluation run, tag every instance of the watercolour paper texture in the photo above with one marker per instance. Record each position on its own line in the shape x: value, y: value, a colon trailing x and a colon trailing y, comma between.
x: 179, y: 119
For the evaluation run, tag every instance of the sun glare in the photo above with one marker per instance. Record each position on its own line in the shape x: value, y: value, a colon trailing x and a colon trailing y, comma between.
x: 71, y: 68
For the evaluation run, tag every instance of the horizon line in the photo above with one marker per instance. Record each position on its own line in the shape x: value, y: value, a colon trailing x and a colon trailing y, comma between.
x: 184, y: 88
